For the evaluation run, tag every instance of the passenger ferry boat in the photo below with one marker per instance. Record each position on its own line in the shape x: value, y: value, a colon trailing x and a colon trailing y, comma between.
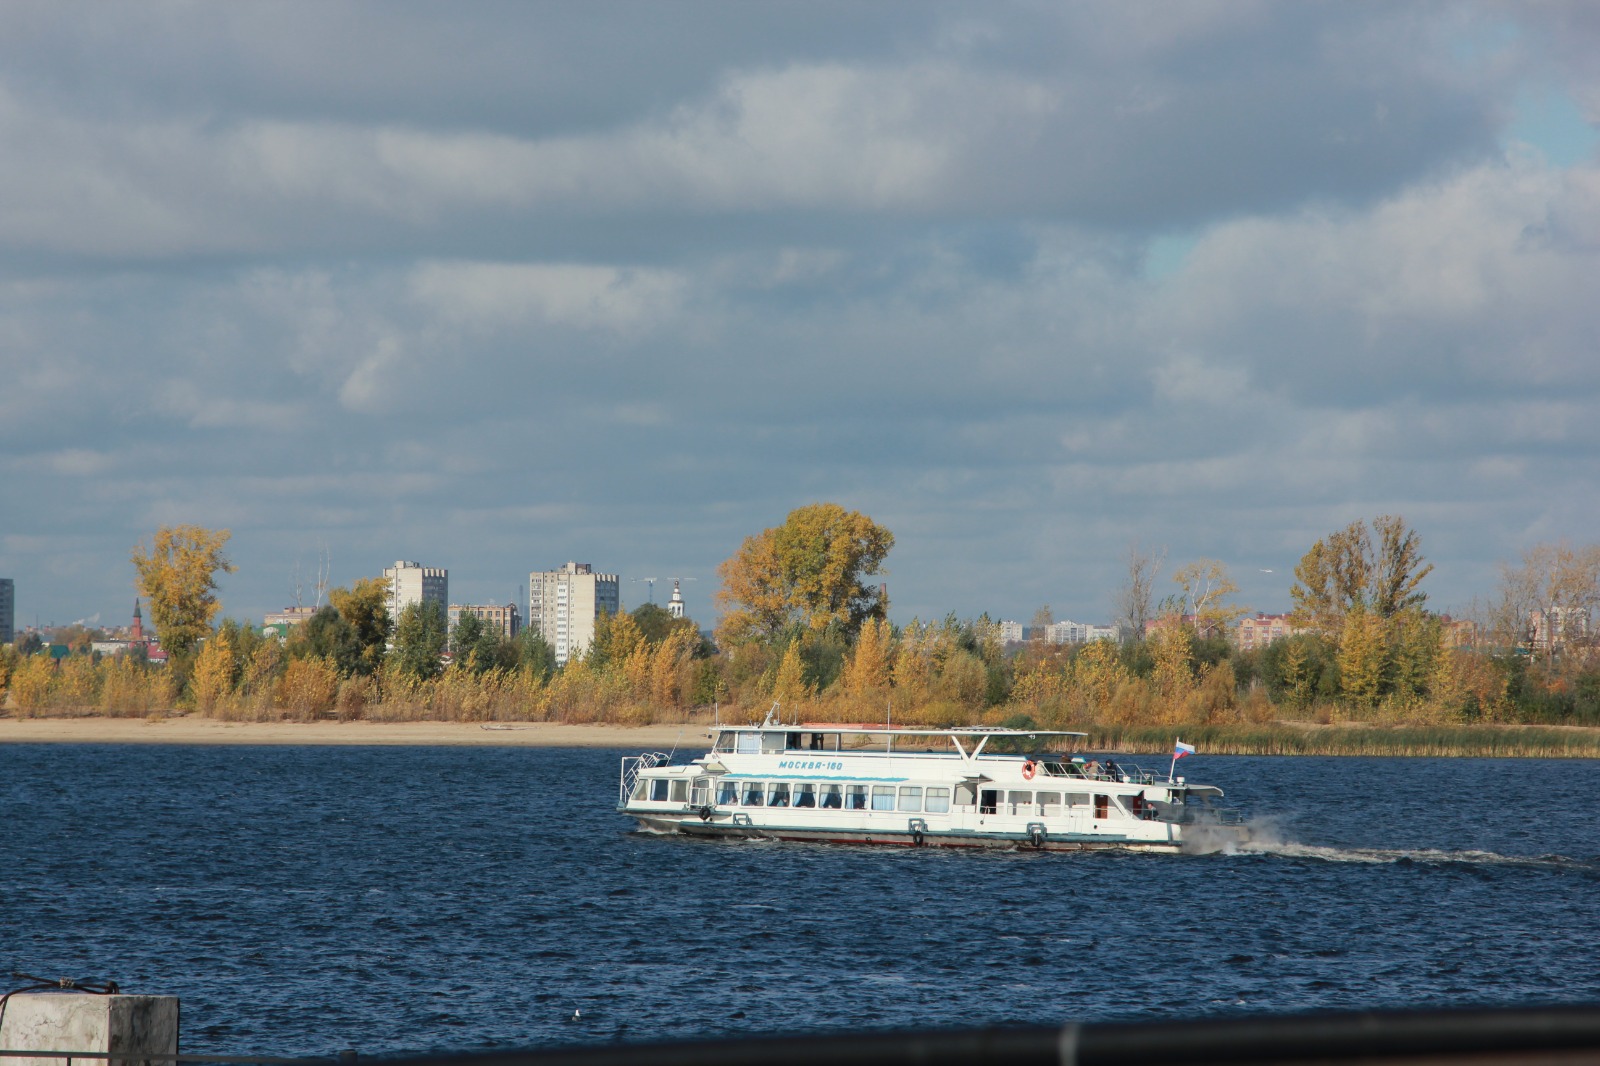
x: 958, y: 787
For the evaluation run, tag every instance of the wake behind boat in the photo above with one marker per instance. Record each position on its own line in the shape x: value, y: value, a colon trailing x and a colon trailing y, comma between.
x: 960, y: 787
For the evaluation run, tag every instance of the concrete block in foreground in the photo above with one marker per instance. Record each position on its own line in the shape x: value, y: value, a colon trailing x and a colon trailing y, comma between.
x: 67, y: 1021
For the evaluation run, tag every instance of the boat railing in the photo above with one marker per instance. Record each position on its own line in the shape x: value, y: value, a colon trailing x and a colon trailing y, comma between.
x: 1203, y: 816
x: 631, y: 766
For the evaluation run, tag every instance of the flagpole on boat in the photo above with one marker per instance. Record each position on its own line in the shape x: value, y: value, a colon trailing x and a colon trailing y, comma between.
x: 1175, y: 749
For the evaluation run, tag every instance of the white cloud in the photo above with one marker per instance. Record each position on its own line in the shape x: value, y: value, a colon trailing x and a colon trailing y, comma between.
x: 491, y: 295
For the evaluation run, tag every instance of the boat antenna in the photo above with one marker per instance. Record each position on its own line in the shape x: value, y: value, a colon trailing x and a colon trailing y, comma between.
x: 772, y: 715
x: 888, y: 714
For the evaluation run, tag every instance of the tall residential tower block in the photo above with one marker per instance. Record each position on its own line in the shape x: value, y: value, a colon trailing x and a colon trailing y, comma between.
x: 414, y: 583
x: 564, y: 604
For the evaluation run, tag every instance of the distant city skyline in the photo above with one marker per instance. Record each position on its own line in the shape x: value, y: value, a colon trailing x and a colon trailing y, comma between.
x: 630, y: 282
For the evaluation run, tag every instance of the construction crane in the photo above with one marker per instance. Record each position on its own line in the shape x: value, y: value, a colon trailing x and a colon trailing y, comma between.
x: 650, y: 583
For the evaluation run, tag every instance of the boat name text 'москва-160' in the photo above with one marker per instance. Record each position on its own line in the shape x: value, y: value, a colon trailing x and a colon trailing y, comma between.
x: 958, y: 787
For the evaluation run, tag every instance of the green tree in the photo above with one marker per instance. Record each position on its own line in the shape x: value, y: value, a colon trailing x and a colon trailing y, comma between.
x: 178, y: 575
x: 809, y: 572
x: 535, y: 654
x: 419, y: 640
x: 478, y: 645
x: 328, y: 637
x: 365, y: 607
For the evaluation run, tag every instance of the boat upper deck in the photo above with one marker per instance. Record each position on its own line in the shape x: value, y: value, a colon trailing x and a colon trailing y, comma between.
x: 964, y: 742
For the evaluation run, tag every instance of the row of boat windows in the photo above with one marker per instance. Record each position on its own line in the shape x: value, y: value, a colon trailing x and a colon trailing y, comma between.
x: 931, y: 799
x: 934, y: 799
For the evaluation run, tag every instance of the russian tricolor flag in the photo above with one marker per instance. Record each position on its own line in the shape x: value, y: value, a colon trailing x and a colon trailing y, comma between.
x: 1180, y: 749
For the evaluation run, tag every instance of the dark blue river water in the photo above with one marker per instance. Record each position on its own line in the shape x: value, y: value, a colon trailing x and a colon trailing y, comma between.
x: 305, y: 900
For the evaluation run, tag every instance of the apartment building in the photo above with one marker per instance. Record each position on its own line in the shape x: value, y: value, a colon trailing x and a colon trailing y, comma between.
x: 8, y: 611
x: 414, y: 583
x: 503, y: 619
x: 564, y: 604
x: 1262, y: 630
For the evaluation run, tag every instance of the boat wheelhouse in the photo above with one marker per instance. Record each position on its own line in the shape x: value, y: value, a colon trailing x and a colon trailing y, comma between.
x: 957, y: 787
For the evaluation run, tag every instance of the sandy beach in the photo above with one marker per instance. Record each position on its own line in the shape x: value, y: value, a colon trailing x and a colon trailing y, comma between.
x: 194, y: 730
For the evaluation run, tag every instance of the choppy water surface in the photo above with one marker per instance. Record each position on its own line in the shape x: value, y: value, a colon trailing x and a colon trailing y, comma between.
x: 304, y: 900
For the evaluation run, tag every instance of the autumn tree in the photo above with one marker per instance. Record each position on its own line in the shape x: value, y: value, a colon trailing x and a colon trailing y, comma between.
x: 789, y: 685
x: 1351, y: 569
x: 1133, y: 599
x: 214, y: 672
x: 178, y: 575
x: 1206, y: 588
x: 808, y: 572
x: 867, y: 671
x: 1557, y: 585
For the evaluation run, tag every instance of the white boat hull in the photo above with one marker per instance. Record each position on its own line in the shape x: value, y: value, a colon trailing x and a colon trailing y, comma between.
x: 905, y: 838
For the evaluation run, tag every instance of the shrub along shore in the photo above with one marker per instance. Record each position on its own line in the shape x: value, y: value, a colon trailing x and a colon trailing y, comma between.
x: 1262, y: 738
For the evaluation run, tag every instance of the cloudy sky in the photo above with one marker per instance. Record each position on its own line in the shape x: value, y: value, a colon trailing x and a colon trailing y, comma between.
x: 493, y: 286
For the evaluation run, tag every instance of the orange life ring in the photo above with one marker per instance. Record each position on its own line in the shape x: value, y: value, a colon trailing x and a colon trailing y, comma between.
x: 1028, y: 770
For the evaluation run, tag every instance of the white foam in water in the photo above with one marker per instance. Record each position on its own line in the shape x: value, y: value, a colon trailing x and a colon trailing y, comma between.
x: 1267, y: 838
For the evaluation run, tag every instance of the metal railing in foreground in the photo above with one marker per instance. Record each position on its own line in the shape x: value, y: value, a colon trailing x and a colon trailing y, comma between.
x: 1482, y: 1037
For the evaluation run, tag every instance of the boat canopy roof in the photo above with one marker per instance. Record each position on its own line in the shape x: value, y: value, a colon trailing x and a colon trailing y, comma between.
x: 903, y: 731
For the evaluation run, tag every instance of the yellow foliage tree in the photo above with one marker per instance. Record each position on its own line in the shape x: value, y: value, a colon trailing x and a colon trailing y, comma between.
x: 310, y: 687
x: 178, y: 574
x: 1206, y: 588
x: 789, y: 686
x: 1361, y: 657
x: 867, y: 670
x: 30, y: 683
x: 670, y: 667
x: 808, y: 571
x: 213, y: 678
x: 1173, y: 674
x: 1097, y: 673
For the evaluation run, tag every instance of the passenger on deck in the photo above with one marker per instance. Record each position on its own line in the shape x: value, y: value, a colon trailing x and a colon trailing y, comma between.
x: 1092, y: 768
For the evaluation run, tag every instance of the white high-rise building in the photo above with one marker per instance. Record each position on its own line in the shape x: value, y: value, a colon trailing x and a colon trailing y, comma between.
x: 563, y: 605
x: 414, y: 583
x: 8, y: 611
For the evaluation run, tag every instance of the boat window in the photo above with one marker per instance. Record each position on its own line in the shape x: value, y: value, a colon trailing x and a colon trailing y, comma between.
x: 749, y: 743
x: 1102, y: 806
x: 641, y: 788
x: 724, y: 742
x: 701, y: 791
x: 805, y: 795
x: 773, y: 742
x: 967, y: 794
x: 883, y: 797
x: 728, y: 792
x: 991, y: 801
x: 778, y: 794
x: 1049, y: 802
x: 822, y: 742
x: 753, y: 791
x: 1020, y: 802
x: 658, y: 789
x: 910, y: 798
x: 938, y: 800
x: 1076, y: 799
x: 832, y: 797
x: 680, y: 791
x: 855, y: 797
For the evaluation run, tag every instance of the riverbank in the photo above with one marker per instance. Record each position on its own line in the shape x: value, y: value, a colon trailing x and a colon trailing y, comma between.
x: 1273, y: 738
x: 191, y: 729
